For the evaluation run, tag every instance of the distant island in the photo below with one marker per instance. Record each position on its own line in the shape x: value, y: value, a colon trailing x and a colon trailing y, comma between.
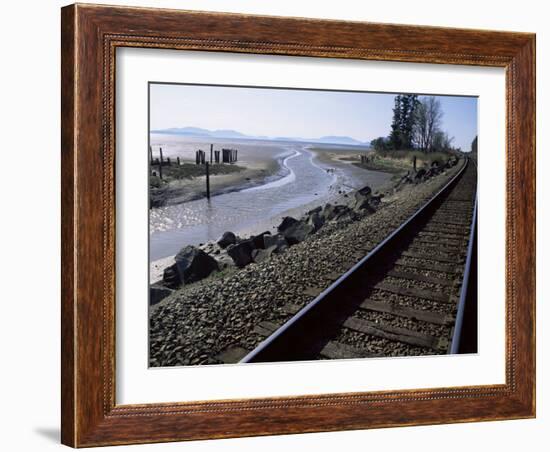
x: 233, y: 134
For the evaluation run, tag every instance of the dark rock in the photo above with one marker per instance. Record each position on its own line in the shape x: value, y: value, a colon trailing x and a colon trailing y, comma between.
x: 316, y: 220
x: 259, y: 240
x: 364, y: 204
x: 263, y: 254
x: 241, y: 253
x: 192, y: 264
x: 366, y: 200
x: 286, y: 223
x: 157, y: 197
x: 312, y: 211
x: 157, y: 294
x: 277, y: 240
x: 224, y: 261
x: 298, y: 232
x: 419, y: 174
x: 363, y: 193
x: 228, y: 238
x: 332, y: 212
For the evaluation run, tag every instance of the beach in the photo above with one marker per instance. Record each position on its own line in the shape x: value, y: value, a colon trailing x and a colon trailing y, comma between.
x: 258, y: 163
x: 300, y: 178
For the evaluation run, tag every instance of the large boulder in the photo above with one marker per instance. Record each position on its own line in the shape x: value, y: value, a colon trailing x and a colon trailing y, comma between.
x: 286, y: 223
x: 363, y: 193
x: 298, y: 232
x: 263, y: 254
x: 316, y: 210
x: 316, y: 219
x: 227, y: 238
x: 260, y: 239
x: 277, y: 240
x: 365, y: 200
x: 241, y: 252
x: 332, y: 212
x: 224, y: 261
x: 158, y: 293
x: 192, y: 264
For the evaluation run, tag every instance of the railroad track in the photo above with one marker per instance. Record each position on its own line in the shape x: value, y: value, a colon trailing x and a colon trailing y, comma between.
x: 414, y: 294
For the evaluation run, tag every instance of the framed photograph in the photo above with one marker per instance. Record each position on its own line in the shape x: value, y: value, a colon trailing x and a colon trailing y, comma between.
x: 282, y: 225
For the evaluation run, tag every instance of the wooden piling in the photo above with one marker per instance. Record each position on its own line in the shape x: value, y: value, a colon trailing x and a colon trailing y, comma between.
x: 207, y: 181
x: 211, y: 152
x: 414, y: 162
x: 178, y: 160
x: 160, y: 163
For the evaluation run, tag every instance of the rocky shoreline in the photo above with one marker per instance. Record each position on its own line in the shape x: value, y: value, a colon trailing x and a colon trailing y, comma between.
x: 212, y: 297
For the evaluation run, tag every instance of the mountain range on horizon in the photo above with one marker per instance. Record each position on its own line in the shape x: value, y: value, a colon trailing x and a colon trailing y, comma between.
x: 228, y: 133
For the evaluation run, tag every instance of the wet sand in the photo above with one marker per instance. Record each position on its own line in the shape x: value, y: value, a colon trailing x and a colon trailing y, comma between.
x: 347, y: 179
x: 261, y: 162
x: 257, y: 172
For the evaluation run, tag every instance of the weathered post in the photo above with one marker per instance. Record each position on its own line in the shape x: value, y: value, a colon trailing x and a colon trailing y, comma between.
x: 211, y: 152
x: 207, y: 181
x: 151, y: 155
x: 178, y: 160
x: 235, y: 154
x: 414, y: 162
x: 160, y: 164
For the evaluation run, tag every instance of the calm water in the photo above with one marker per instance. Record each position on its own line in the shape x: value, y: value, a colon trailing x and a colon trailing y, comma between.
x: 307, y: 182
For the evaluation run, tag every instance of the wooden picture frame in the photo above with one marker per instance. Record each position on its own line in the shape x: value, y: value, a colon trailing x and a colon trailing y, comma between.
x: 90, y: 36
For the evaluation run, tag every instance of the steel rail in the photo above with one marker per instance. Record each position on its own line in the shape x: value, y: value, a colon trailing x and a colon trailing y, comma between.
x: 263, y: 348
x: 457, y: 331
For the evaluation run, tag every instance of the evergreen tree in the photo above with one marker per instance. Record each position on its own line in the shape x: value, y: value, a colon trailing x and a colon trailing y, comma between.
x: 474, y: 145
x: 395, y: 139
x: 409, y: 102
x: 401, y: 135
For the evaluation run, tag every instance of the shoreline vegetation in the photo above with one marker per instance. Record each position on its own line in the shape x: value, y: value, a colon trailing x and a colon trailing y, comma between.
x: 397, y: 162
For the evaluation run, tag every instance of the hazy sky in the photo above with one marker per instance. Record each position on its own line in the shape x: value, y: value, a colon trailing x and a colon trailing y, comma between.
x: 295, y: 113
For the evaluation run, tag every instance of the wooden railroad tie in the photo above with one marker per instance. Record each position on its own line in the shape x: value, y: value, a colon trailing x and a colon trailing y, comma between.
x: 435, y: 317
x: 423, y: 278
x: 413, y: 292
x: 431, y: 257
x: 396, y: 334
x: 444, y: 268
x: 338, y: 350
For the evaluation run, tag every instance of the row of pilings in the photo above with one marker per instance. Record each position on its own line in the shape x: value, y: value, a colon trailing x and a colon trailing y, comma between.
x: 227, y: 156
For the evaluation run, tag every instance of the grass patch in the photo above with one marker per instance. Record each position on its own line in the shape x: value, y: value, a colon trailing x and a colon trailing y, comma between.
x: 189, y: 171
x: 400, y: 161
